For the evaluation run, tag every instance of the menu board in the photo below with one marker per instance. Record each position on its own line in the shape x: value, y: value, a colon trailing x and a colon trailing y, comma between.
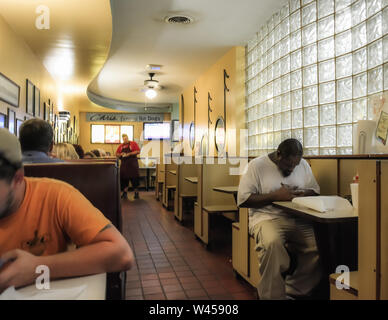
x: 112, y: 134
x: 98, y: 133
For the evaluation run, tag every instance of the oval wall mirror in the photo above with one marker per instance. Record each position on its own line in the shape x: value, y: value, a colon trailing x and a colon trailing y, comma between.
x: 192, y: 135
x: 219, y: 135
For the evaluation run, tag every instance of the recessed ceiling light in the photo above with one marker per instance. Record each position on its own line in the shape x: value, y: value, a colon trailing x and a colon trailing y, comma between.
x: 178, y: 19
x: 154, y: 67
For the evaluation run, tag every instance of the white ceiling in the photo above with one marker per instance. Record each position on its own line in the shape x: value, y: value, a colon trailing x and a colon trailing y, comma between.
x: 73, y: 49
x: 141, y: 37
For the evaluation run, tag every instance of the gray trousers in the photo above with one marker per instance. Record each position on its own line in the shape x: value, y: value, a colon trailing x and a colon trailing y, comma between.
x: 273, y: 239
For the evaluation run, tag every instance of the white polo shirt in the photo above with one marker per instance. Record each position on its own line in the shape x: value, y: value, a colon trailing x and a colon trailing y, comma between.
x: 262, y: 177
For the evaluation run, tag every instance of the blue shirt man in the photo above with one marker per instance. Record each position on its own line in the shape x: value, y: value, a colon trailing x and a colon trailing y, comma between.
x: 37, y: 140
x: 38, y: 157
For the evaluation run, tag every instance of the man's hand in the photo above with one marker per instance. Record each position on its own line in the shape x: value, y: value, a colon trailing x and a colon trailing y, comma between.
x: 283, y: 194
x: 19, y: 270
x: 304, y: 193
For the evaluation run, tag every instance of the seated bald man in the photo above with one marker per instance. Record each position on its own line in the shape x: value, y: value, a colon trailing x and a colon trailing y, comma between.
x: 39, y: 217
x: 281, y: 176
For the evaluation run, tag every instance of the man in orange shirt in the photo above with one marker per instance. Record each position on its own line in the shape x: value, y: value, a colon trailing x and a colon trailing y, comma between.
x: 40, y: 217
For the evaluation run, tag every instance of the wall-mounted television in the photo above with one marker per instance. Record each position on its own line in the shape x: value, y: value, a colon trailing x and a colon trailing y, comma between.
x: 156, y: 130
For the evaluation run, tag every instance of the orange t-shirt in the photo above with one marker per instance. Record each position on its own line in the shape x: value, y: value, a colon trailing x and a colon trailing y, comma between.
x: 52, y: 214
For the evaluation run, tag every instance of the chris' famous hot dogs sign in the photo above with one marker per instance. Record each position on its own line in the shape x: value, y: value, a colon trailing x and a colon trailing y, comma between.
x: 123, y: 117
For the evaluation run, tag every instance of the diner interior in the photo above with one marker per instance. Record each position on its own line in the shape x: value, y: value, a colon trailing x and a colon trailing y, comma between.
x: 203, y: 88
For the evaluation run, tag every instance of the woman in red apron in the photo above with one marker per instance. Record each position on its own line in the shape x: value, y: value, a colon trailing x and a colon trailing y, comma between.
x: 129, y: 169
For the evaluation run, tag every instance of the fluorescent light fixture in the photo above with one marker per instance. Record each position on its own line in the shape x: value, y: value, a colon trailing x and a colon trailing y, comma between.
x: 151, y: 93
x: 156, y: 67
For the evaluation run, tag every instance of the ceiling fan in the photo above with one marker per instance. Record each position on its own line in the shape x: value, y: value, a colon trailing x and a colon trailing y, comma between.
x: 151, y: 86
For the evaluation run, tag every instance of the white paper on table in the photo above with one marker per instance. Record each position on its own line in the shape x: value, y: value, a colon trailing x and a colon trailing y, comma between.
x: 324, y: 203
x: 50, y: 294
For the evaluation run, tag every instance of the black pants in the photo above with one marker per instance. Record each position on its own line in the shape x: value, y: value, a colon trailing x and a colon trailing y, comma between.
x: 124, y: 182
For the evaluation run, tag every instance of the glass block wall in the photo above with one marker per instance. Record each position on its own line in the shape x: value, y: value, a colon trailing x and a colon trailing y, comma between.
x: 312, y: 71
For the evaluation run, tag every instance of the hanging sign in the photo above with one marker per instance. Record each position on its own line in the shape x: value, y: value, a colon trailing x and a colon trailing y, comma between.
x: 123, y: 117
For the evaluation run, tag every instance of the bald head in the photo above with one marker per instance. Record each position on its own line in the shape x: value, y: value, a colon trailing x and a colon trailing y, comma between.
x: 288, y: 156
x: 290, y: 148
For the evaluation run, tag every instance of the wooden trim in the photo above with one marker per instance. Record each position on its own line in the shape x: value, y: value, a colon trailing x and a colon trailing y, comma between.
x: 226, y: 89
x: 351, y: 290
x: 183, y: 117
x: 350, y: 156
x: 354, y: 156
x: 200, y: 207
x: 217, y: 209
x: 338, y: 177
x: 249, y: 252
x: 378, y: 229
x: 378, y: 156
x: 236, y: 226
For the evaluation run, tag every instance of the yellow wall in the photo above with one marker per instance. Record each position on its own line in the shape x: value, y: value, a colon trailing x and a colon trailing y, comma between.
x: 85, y: 131
x: 212, y: 81
x: 18, y: 63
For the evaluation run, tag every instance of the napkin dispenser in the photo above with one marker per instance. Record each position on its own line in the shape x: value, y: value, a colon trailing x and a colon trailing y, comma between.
x: 364, y: 137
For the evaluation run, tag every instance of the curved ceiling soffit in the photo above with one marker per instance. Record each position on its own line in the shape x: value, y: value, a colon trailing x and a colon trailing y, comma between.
x: 122, y: 105
x: 127, y: 105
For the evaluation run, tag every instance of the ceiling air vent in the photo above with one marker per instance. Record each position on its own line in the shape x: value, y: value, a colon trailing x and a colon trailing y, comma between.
x: 179, y: 19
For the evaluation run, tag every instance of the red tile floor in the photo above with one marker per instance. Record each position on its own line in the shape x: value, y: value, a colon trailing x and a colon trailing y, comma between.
x: 170, y: 263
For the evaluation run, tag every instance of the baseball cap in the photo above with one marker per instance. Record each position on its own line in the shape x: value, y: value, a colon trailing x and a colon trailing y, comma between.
x: 10, y: 150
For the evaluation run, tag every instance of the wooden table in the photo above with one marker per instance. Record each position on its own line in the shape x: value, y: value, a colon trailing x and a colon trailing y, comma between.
x: 228, y: 189
x: 192, y: 179
x: 147, y: 175
x: 336, y: 234
x: 95, y: 290
x: 333, y: 216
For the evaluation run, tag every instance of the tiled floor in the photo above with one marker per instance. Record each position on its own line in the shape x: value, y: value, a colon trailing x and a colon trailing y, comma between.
x: 170, y: 263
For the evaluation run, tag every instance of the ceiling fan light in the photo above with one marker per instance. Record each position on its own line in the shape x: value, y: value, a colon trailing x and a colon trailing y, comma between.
x: 151, y: 93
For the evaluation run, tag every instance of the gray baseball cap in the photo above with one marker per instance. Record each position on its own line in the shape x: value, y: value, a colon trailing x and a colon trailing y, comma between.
x: 10, y: 150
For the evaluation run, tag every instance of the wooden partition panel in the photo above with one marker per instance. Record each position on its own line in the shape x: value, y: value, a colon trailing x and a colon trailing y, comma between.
x: 367, y: 230
x: 210, y: 176
x: 254, y: 273
x: 240, y: 249
x: 384, y: 231
x: 198, y: 226
x: 186, y: 187
x: 348, y: 169
x: 199, y: 185
x: 171, y: 174
x: 160, y: 172
x: 326, y: 173
x: 216, y: 175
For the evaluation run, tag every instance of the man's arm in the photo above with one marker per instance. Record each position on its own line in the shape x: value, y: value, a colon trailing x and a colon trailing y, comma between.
x: 133, y: 153
x: 118, y: 151
x: 107, y: 252
x: 261, y: 200
x: 135, y: 149
x: 306, y: 193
